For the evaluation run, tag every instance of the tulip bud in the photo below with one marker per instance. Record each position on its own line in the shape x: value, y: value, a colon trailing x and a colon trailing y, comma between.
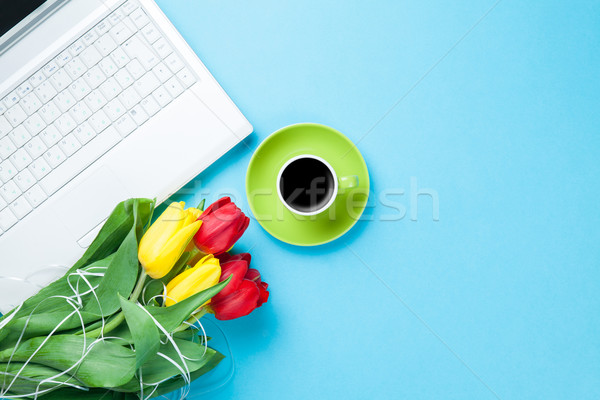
x: 235, y: 266
x: 165, y: 241
x: 238, y: 304
x: 205, y: 274
x: 244, y: 293
x: 223, y: 223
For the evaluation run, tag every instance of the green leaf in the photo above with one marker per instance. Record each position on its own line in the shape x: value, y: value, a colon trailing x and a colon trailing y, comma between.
x: 158, y: 368
x: 119, y: 278
x: 30, y: 378
x: 105, y: 365
x: 93, y: 394
x: 43, y: 324
x: 171, y: 317
x: 201, y: 205
x: 178, y: 382
x: 143, y: 331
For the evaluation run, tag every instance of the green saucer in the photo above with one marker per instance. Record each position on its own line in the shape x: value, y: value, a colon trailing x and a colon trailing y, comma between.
x: 261, y: 184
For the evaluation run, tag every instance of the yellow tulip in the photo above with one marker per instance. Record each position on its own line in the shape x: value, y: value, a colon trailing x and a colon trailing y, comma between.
x: 203, y: 275
x: 167, y: 238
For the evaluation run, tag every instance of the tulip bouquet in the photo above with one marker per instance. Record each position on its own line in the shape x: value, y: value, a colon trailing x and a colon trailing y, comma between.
x: 123, y: 322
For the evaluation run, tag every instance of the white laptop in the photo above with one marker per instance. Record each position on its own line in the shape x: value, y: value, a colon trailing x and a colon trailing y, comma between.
x: 100, y: 101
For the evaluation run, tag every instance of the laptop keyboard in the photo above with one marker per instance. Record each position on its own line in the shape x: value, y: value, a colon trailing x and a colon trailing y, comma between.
x: 81, y: 104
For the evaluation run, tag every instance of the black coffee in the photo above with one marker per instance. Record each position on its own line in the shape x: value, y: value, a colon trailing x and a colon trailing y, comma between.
x: 306, y: 184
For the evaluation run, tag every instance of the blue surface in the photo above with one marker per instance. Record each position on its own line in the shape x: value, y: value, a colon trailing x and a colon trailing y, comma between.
x: 496, y: 299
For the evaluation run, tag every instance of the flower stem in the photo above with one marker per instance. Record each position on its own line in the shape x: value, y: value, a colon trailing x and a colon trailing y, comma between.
x: 120, y: 317
x: 138, y: 287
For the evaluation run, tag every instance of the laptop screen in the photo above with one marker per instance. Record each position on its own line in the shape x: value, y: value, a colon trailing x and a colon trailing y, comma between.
x: 14, y: 11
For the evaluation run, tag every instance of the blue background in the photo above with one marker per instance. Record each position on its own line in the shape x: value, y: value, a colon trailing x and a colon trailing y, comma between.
x: 497, y: 299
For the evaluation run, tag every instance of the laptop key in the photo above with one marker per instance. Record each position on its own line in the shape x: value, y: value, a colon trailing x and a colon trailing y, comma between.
x: 35, y: 196
x: 114, y: 109
x: 186, y: 77
x: 95, y: 100
x: 7, y: 219
x: 138, y: 114
x: 20, y: 207
x: 50, y: 68
x: 63, y: 58
x: 119, y: 57
x: 94, y: 77
x: 77, y: 47
x: 174, y: 63
x: 15, y: 115
x: 24, y: 180
x: 120, y: 33
x: 162, y: 96
x: 99, y: 121
x: 108, y: 66
x: 20, y: 159
x: 60, y: 80
x: 39, y: 168
x: 11, y: 99
x: 45, y: 92
x: 162, y: 47
x: 90, y: 56
x: 84, y: 133
x: 10, y: 191
x: 35, y: 147
x: 7, y: 171
x: 65, y: 124
x: 110, y: 89
x: 30, y: 103
x: 146, y: 84
x: 125, y: 125
x: 150, y: 105
x: 37, y: 78
x: 129, y: 98
x: 105, y: 44
x: 139, y: 17
x: 75, y: 68
x: 49, y: 112
x: 20, y: 136
x: 69, y: 145
x: 5, y: 126
x: 79, y: 89
x: 137, y: 48
x: 162, y: 72
x: 34, y: 124
x: 54, y: 156
x: 50, y: 136
x: 135, y: 69
x: 151, y: 33
x: 129, y: 6
x: 174, y: 87
x: 90, y: 37
x: 64, y: 101
x: 7, y: 147
x: 102, y: 27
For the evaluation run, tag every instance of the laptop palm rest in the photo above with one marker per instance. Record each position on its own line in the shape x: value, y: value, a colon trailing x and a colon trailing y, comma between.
x: 90, y: 202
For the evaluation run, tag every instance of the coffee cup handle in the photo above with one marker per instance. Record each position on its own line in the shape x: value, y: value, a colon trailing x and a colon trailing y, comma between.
x: 345, y: 183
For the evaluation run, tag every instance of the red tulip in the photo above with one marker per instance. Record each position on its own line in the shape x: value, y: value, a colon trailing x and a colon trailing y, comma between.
x: 244, y: 293
x: 237, y: 266
x: 223, y: 223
